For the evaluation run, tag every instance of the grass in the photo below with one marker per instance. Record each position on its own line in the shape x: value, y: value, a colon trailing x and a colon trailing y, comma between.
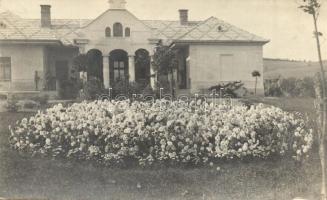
x: 22, y: 176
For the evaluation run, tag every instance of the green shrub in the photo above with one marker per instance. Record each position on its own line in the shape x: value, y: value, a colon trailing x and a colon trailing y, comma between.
x: 30, y: 104
x: 69, y: 89
x: 42, y: 100
x: 127, y: 89
x: 12, y: 103
x: 293, y: 87
x: 93, y: 88
x: 227, y: 90
x: 272, y: 88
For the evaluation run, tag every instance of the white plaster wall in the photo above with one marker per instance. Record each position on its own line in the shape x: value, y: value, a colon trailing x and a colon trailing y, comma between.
x: 25, y: 60
x: 95, y: 32
x: 205, y: 65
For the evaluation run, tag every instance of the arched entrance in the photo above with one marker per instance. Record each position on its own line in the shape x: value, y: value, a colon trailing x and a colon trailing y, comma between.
x: 142, y: 66
x: 94, y: 64
x: 118, y: 64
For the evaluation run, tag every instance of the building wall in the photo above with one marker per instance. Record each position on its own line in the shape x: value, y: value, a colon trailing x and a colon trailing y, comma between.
x: 25, y: 60
x: 206, y: 67
x: 95, y: 32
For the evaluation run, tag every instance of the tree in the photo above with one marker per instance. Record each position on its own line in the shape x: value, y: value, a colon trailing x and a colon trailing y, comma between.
x: 165, y: 63
x: 312, y: 7
x: 256, y: 74
x: 80, y: 62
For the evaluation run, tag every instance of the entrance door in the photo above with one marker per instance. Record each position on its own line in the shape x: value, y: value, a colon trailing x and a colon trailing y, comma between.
x: 118, y: 66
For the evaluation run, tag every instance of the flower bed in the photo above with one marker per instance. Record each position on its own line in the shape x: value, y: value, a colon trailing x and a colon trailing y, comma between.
x: 174, y: 132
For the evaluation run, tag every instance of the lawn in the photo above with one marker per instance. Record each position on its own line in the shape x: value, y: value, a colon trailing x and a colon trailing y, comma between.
x: 22, y: 176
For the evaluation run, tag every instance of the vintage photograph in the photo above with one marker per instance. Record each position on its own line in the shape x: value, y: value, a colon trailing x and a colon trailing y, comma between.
x: 163, y: 99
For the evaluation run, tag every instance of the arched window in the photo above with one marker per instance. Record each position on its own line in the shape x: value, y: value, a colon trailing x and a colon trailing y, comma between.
x: 127, y: 32
x: 108, y: 32
x: 118, y: 30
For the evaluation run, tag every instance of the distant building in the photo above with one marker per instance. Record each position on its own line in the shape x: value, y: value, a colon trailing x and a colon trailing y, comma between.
x: 41, y: 51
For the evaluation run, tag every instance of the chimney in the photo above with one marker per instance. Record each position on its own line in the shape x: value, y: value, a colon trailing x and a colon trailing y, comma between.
x: 183, y: 16
x: 45, y: 16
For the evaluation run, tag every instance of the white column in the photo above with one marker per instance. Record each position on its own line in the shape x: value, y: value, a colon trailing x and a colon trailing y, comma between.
x: 81, y: 49
x: 152, y: 73
x: 131, y: 66
x: 106, y: 80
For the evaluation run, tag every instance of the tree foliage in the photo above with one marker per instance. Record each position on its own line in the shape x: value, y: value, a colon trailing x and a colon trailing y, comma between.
x: 311, y: 7
x: 164, y: 59
x: 164, y: 64
x: 256, y: 73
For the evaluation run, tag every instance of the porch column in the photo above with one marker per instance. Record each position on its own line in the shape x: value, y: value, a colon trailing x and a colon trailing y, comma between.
x: 152, y: 74
x: 106, y: 80
x: 131, y: 66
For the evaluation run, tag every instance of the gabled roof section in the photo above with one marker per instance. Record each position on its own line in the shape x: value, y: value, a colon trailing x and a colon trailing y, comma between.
x: 170, y: 30
x: 217, y: 30
x: 114, y: 10
x: 13, y: 27
x: 17, y: 28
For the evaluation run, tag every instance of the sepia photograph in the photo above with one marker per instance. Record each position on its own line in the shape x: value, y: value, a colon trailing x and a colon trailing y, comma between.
x: 163, y: 99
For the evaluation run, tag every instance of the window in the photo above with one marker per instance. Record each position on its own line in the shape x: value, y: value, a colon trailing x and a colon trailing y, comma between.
x: 127, y: 32
x: 118, y: 30
x: 108, y: 32
x: 119, y: 70
x: 5, y: 68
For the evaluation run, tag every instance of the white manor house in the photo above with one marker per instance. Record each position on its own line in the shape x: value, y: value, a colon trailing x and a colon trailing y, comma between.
x: 35, y: 54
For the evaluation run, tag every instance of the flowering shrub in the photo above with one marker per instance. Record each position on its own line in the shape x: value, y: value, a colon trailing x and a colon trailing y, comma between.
x: 162, y: 131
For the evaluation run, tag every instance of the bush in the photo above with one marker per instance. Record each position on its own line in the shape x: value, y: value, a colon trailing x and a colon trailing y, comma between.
x: 42, y: 100
x: 30, y: 104
x: 293, y: 87
x: 12, y: 103
x: 69, y: 89
x: 228, y: 90
x: 272, y: 88
x: 93, y: 88
x: 162, y: 131
x: 128, y: 89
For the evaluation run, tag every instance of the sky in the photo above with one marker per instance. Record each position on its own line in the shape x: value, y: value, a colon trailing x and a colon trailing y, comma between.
x: 289, y: 30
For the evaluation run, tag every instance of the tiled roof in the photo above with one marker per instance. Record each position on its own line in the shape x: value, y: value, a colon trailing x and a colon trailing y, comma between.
x: 13, y: 27
x: 214, y: 29
x: 17, y: 28
x: 170, y: 30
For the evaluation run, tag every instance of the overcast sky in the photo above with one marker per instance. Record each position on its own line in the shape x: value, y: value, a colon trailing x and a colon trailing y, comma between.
x: 289, y: 29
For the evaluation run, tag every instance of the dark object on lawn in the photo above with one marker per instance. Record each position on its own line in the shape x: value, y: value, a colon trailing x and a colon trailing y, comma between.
x: 12, y: 103
x: 42, y: 100
x: 3, y: 97
x: 227, y: 90
x: 31, y: 104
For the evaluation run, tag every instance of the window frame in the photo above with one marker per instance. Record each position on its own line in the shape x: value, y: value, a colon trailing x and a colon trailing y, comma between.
x: 127, y: 32
x: 118, y: 30
x: 5, y: 64
x: 119, y: 66
x: 108, y: 32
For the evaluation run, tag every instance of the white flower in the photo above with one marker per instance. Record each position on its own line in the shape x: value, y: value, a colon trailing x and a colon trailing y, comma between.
x: 127, y: 130
x: 48, y: 141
